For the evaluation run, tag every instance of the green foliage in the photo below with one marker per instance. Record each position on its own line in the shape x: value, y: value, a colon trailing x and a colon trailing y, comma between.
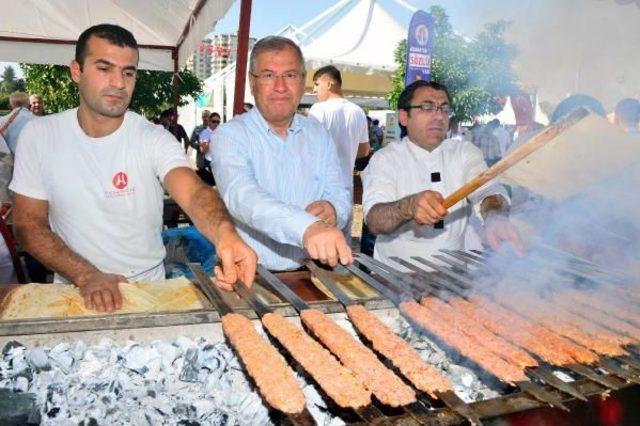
x: 153, y: 92
x: 474, y: 71
x: 53, y: 83
x: 9, y: 82
x: 400, y: 56
x: 4, y: 102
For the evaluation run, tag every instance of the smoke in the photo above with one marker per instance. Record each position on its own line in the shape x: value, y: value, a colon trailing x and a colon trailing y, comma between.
x: 566, y: 47
x: 579, y: 47
x: 590, y: 241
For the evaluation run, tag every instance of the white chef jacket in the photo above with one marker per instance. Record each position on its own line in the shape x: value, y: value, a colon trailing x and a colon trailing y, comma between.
x: 403, y: 168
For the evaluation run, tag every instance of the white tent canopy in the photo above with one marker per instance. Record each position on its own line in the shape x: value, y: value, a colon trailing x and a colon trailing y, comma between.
x: 358, y: 33
x: 44, y: 32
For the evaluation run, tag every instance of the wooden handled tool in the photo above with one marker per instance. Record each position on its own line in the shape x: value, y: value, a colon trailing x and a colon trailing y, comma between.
x: 515, y: 156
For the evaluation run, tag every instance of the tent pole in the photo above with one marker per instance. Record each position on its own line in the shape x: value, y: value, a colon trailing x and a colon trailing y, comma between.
x: 175, y: 80
x: 241, y: 60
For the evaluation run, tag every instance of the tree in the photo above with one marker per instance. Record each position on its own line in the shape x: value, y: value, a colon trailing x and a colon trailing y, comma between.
x: 4, y: 102
x: 9, y: 81
x: 153, y: 92
x: 474, y: 71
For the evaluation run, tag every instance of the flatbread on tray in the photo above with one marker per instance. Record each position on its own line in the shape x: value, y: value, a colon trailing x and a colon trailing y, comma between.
x: 64, y: 300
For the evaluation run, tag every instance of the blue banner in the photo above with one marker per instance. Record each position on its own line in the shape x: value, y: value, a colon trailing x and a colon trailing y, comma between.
x: 419, y: 48
x: 203, y: 100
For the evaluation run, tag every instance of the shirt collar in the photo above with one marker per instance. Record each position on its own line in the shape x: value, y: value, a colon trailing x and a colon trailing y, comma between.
x: 257, y: 117
x: 421, y: 152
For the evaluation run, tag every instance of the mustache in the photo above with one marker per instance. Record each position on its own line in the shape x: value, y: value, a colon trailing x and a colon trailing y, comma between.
x: 114, y: 92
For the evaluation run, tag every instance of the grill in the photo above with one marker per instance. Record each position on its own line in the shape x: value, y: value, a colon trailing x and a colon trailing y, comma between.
x: 593, y: 366
x: 583, y: 353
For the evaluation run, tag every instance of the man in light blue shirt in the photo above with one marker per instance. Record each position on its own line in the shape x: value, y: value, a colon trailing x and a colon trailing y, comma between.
x: 12, y: 123
x: 278, y: 172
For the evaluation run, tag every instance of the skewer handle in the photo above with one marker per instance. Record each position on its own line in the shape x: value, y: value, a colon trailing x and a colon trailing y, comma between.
x: 515, y: 157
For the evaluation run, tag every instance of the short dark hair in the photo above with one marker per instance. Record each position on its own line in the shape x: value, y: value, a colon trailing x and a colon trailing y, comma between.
x: 214, y: 114
x: 628, y: 111
x: 168, y: 113
x: 404, y: 101
x: 376, y: 121
x: 113, y: 33
x: 331, y: 71
x: 274, y: 43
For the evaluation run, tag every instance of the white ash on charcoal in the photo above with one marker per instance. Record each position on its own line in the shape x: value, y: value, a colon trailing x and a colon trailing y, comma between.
x: 466, y: 383
x: 318, y: 407
x: 185, y: 382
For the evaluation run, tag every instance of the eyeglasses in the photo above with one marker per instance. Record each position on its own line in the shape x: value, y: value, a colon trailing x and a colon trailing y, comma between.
x: 431, y: 108
x: 268, y: 77
x: 215, y: 121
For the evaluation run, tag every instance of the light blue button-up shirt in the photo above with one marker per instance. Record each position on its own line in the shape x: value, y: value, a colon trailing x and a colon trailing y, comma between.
x: 267, y: 181
x: 13, y: 130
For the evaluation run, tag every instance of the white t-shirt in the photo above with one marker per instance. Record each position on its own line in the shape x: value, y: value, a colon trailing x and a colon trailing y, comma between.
x: 348, y: 127
x: 403, y: 168
x: 105, y: 195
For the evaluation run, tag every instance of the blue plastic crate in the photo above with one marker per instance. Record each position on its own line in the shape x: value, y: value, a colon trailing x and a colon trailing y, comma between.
x: 185, y: 245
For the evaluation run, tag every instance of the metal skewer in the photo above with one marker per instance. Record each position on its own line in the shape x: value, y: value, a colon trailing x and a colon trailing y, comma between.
x: 449, y: 398
x: 531, y: 388
x: 213, y: 293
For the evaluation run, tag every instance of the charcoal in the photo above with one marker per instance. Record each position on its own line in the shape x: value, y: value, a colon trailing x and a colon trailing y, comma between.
x: 89, y: 422
x: 79, y: 348
x: 204, y: 408
x: 17, y: 360
x: 92, y: 366
x: 184, y: 343
x: 62, y: 357
x: 18, y: 408
x: 168, y: 353
x: 38, y: 359
x: 211, y: 360
x: 115, y: 387
x: 184, y: 410
x: 142, y: 384
x: 53, y: 412
x: 143, y: 360
x: 191, y: 368
x: 11, y: 345
x: 21, y: 384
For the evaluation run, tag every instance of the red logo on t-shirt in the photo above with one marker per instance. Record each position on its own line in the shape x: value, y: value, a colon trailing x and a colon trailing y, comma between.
x: 120, y: 180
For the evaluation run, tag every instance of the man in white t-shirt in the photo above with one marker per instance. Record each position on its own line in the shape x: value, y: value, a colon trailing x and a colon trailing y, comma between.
x: 404, y: 182
x: 88, y: 183
x: 345, y: 120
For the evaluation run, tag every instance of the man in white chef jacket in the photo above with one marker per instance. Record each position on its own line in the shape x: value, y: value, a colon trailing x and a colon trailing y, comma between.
x: 405, y: 184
